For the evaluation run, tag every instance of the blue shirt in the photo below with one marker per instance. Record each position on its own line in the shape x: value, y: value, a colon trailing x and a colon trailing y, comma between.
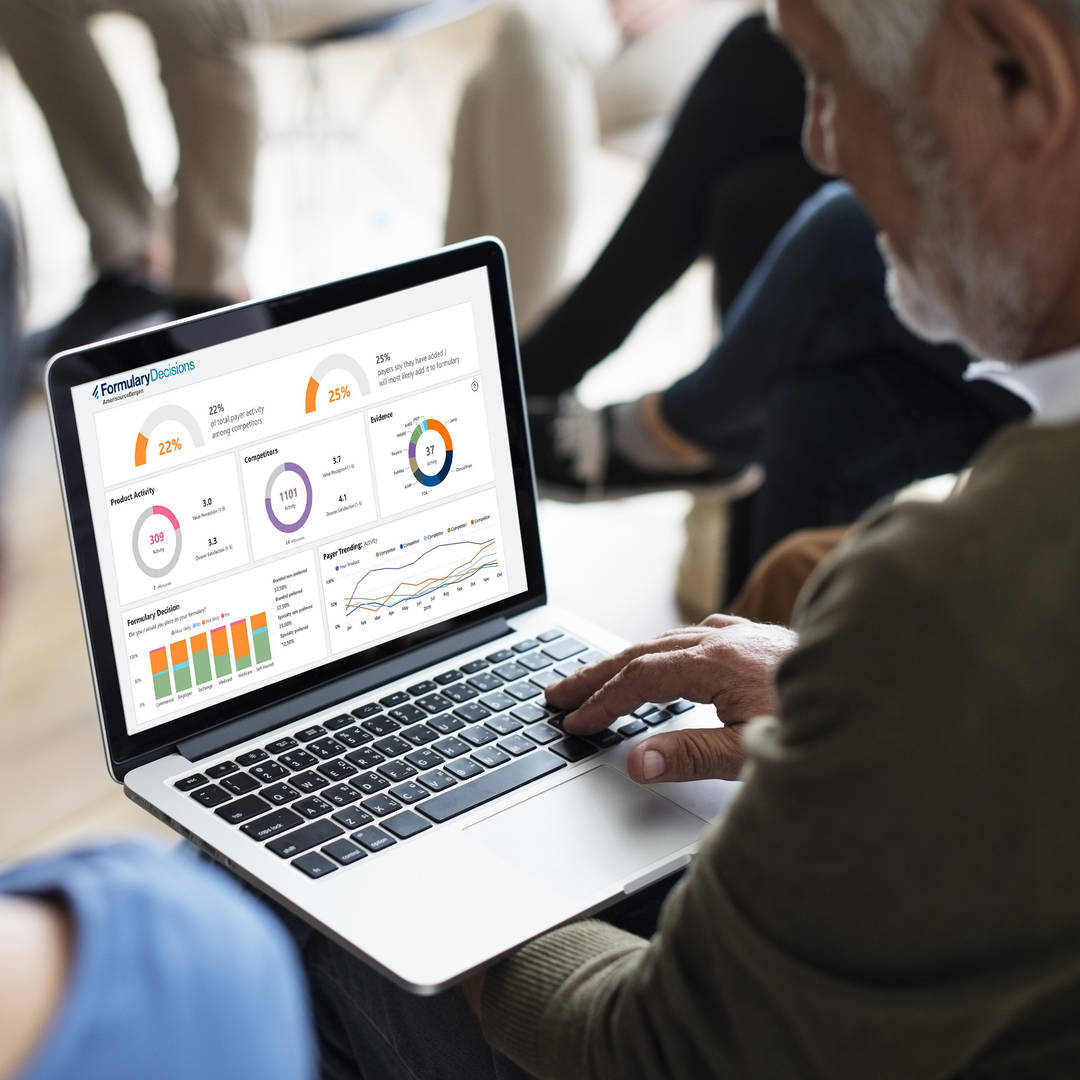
x: 176, y: 973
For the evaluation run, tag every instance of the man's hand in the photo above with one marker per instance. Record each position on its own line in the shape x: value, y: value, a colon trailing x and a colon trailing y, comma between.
x: 725, y: 661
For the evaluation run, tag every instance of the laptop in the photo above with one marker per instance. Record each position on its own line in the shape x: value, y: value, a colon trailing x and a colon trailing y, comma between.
x: 306, y: 544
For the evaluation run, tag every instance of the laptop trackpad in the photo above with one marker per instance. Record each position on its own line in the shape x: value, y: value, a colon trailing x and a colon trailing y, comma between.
x: 592, y: 832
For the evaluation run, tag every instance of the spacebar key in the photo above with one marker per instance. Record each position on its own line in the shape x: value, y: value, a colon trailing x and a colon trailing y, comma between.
x: 491, y: 786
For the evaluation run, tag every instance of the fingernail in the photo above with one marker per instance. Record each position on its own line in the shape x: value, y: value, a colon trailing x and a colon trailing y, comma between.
x: 652, y: 764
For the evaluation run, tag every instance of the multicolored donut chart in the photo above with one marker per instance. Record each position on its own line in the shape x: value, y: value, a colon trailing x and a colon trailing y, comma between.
x: 430, y: 479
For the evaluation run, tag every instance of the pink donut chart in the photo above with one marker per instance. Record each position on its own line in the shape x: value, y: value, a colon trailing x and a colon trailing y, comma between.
x: 137, y: 533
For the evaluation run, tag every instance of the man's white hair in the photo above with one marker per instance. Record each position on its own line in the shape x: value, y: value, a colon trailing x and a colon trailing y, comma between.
x: 885, y: 37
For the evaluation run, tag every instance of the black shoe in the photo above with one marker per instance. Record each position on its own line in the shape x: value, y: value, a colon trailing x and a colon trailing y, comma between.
x: 576, y: 460
x: 116, y: 299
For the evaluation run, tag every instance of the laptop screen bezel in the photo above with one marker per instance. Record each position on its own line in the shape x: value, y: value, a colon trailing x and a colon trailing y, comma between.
x: 113, y: 358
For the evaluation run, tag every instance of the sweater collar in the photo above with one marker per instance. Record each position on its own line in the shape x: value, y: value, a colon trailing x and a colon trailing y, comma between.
x: 1051, y: 385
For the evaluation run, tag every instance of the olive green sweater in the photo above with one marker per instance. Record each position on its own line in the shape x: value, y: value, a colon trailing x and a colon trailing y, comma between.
x: 895, y: 893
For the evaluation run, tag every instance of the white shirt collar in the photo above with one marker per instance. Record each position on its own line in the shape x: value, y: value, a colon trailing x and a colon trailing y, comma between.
x: 1050, y: 385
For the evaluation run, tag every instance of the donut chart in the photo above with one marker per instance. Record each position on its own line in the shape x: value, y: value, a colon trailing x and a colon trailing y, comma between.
x: 337, y: 362
x: 138, y: 532
x: 290, y: 496
x: 166, y: 413
x: 436, y: 478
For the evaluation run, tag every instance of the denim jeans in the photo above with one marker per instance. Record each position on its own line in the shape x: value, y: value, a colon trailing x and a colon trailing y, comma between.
x: 369, y: 1029
x: 817, y: 380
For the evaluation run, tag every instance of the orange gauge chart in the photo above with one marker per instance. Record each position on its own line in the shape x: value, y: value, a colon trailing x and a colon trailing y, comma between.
x: 339, y: 362
x: 176, y: 429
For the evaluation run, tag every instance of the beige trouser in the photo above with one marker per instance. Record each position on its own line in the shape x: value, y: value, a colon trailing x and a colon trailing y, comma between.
x: 559, y: 77
x: 211, y: 92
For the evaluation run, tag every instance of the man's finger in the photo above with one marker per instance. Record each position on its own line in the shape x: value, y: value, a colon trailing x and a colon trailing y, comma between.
x: 691, y: 754
x: 575, y: 689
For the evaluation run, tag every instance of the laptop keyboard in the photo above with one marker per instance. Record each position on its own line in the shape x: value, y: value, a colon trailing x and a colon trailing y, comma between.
x: 342, y: 790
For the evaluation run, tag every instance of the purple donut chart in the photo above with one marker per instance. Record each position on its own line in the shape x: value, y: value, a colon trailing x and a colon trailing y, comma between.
x: 285, y: 499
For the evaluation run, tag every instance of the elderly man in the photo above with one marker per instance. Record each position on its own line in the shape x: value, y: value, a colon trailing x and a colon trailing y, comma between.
x: 895, y: 893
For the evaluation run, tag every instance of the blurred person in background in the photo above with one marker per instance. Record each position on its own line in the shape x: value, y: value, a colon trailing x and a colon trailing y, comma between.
x: 143, y: 266
x: 125, y: 961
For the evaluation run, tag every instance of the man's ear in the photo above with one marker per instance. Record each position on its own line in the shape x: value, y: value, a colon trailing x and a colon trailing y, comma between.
x: 1029, y: 57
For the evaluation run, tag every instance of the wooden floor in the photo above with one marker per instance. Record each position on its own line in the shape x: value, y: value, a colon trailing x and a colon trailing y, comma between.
x: 52, y: 775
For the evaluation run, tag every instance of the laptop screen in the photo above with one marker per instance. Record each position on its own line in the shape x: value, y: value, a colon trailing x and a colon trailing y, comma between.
x: 298, y: 495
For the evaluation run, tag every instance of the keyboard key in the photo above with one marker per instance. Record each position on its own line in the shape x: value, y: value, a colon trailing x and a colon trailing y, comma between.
x: 392, y: 746
x: 446, y: 723
x: 269, y: 771
x: 511, y: 672
x: 645, y: 710
x: 298, y: 760
x: 434, y: 703
x: 188, y: 783
x: 279, y: 794
x: 460, y: 692
x: 556, y: 720
x: 497, y: 702
x: 341, y: 851
x: 571, y: 667
x: 352, y: 817
x: 326, y: 748
x: 252, y: 757
x: 409, y: 793
x: 368, y: 783
x: 293, y: 843
x: 335, y: 723
x: 373, y: 839
x: 478, y: 736
x: 365, y: 758
x: 307, y: 782
x: 464, y: 768
x: 564, y: 648
x: 606, y: 739
x: 526, y: 646
x: 365, y: 711
x: 339, y: 795
x: 447, y: 677
x: 408, y: 714
x: 473, y: 666
x: 405, y: 825
x: 396, y: 771
x: 279, y: 746
x: 500, y: 656
x: 338, y: 770
x: 451, y: 746
x: 426, y: 687
x: 242, y: 809
x: 528, y: 714
x: 490, y: 786
x: 634, y: 727
x: 549, y: 635
x: 240, y: 784
x: 543, y: 734
x: 544, y: 679
x: 474, y: 712
x: 424, y: 759
x: 485, y: 682
x: 314, y: 865
x: 222, y: 768
x: 420, y: 735
x: 658, y: 717
x: 263, y: 828
x: 309, y: 733
x: 680, y: 706
x: 573, y: 749
x: 504, y: 724
x: 534, y: 661
x: 380, y: 805
x: 591, y: 657
x: 393, y: 700
x: 312, y: 808
x: 517, y: 745
x: 353, y: 737
x: 491, y: 757
x: 437, y: 780
x: 211, y: 796
x: 380, y: 725
x: 524, y: 690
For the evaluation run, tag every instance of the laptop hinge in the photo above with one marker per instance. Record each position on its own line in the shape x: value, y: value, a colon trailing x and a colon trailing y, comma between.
x: 296, y: 708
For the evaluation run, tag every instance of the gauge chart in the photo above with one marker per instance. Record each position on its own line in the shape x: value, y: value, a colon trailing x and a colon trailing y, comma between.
x: 179, y: 430
x: 339, y: 363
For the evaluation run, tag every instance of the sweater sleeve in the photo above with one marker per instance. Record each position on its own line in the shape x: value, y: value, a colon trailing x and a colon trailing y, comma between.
x: 840, y: 920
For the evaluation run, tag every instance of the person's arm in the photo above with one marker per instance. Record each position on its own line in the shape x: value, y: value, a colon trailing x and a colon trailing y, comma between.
x: 35, y: 942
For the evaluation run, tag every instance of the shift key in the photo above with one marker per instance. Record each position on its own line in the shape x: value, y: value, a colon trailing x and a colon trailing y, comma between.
x: 299, y: 840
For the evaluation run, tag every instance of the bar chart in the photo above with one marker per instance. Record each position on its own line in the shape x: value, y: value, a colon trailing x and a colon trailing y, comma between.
x: 191, y: 656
